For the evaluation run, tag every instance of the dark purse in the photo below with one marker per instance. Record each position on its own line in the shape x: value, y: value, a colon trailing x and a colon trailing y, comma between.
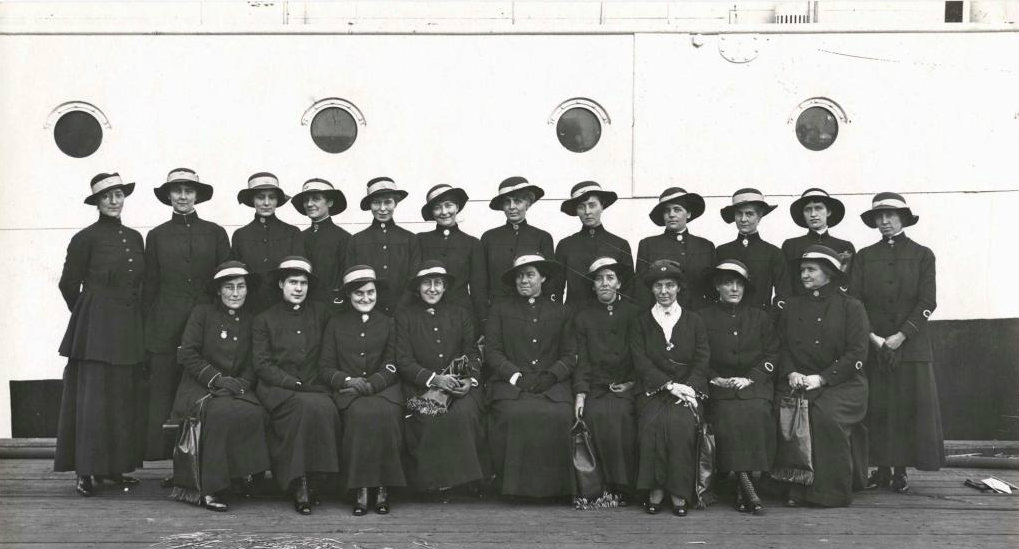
x: 187, y: 476
x: 794, y: 459
x: 705, y: 462
x: 585, y: 464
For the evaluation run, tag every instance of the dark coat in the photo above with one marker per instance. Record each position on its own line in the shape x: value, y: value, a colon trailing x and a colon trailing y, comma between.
x: 285, y: 349
x: 603, y: 346
x: 325, y: 245
x: 393, y: 252
x: 261, y: 245
x: 101, y: 284
x: 793, y: 249
x: 356, y: 346
x: 743, y: 344
x: 685, y: 362
x: 465, y: 260
x: 428, y: 337
x: 216, y: 341
x: 529, y: 335
x: 694, y: 253
x: 767, y: 266
x: 576, y: 253
x: 180, y: 257
x: 503, y: 244
x: 897, y: 286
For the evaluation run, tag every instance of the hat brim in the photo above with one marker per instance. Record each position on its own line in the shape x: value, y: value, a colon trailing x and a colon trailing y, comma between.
x: 253, y: 280
x: 692, y: 202
x: 569, y: 206
x: 729, y: 212
x: 837, y: 274
x: 459, y: 196
x: 651, y: 277
x: 908, y: 219
x: 413, y: 283
x: 247, y: 196
x: 496, y: 203
x: 708, y: 280
x: 835, y: 207
x: 202, y: 190
x: 622, y: 272
x: 550, y: 269
x: 336, y: 195
x: 93, y: 199
x: 366, y: 202
x: 345, y: 289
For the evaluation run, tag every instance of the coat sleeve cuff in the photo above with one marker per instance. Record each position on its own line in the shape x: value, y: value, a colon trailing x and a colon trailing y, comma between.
x: 560, y: 370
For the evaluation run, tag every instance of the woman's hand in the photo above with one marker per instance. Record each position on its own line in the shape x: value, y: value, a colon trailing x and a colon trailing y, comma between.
x: 360, y: 385
x: 723, y: 382
x: 232, y: 384
x: 621, y: 387
x: 463, y: 387
x: 739, y: 382
x: 811, y: 382
x: 796, y: 380
x: 445, y: 382
x: 895, y: 340
x: 578, y: 405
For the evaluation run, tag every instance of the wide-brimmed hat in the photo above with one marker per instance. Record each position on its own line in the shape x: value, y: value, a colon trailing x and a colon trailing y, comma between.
x: 664, y: 268
x: 550, y: 269
x: 512, y: 185
x: 104, y: 182
x: 883, y: 202
x: 381, y: 185
x: 581, y: 192
x: 231, y: 269
x: 293, y: 263
x: 428, y: 269
x: 316, y: 185
x: 835, y: 206
x: 183, y: 176
x: 692, y: 202
x: 821, y: 254
x: 732, y: 267
x: 357, y: 276
x: 746, y: 196
x: 259, y: 182
x: 439, y: 193
x: 623, y: 272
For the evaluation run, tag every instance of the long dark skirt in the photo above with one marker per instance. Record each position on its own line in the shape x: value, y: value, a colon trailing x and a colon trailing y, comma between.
x: 904, y: 418
x: 370, y: 453
x: 613, y: 424
x: 233, y: 442
x: 304, y: 436
x: 99, y: 431
x: 447, y: 450
x: 667, y: 442
x: 744, y: 434
x: 164, y: 376
x: 834, y: 415
x: 530, y: 441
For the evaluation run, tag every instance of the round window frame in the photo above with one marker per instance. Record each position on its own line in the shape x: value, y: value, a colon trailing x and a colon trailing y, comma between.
x: 599, y: 112
x: 334, y: 102
x: 842, y: 120
x: 71, y: 106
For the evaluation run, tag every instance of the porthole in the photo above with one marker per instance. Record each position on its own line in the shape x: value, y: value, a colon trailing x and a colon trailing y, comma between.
x: 818, y: 122
x: 77, y: 128
x: 579, y: 124
x: 334, y: 124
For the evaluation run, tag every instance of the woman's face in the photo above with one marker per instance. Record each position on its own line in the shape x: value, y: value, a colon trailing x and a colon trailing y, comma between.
x: 265, y: 202
x: 445, y: 213
x: 665, y: 291
x: 432, y: 289
x: 111, y: 203
x: 234, y: 292
x: 364, y: 298
x: 529, y: 281
x: 730, y: 289
x: 889, y: 223
x: 182, y: 198
x: 606, y: 285
x: 295, y: 288
x: 316, y: 206
x: 515, y: 208
x: 675, y: 217
x: 813, y: 275
x: 383, y: 206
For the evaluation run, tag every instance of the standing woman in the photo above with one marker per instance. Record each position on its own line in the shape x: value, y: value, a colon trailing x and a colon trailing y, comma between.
x: 357, y: 363
x: 531, y: 355
x: 670, y: 353
x: 444, y: 449
x: 215, y: 354
x: 824, y: 343
x: 304, y: 427
x: 895, y: 279
x: 180, y: 256
x: 744, y: 351
x: 514, y: 238
x: 98, y: 434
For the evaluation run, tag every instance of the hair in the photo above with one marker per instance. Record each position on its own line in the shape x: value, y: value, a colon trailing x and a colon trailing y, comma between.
x: 287, y: 273
x: 386, y: 194
x: 525, y: 194
x: 755, y: 205
x: 721, y: 278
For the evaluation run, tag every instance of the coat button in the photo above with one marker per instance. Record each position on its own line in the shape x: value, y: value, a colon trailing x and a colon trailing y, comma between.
x: 817, y: 342
x: 385, y: 247
x: 534, y: 341
x: 819, y: 319
x: 298, y: 331
x: 435, y: 329
x: 441, y: 355
x: 385, y: 266
x: 235, y: 338
x: 534, y: 362
x: 362, y: 353
x: 362, y: 334
x: 438, y: 341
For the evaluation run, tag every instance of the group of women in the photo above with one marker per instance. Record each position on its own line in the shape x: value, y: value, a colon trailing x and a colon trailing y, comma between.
x: 387, y: 359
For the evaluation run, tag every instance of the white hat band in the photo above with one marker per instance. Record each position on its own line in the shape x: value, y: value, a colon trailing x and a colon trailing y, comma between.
x: 527, y: 259
x: 819, y: 255
x: 263, y: 180
x: 384, y: 185
x: 580, y: 192
x: 431, y: 271
x: 182, y: 175
x: 438, y: 191
x: 889, y: 203
x: 747, y: 197
x: 316, y: 186
x: 296, y: 264
x: 733, y: 267
x: 507, y: 190
x: 359, y: 274
x: 815, y: 192
x: 672, y: 196
x: 601, y: 263
x: 104, y: 184
x: 231, y: 272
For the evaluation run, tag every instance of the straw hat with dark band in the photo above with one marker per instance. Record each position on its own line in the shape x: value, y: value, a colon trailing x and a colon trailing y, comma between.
x: 357, y: 276
x: 428, y: 269
x: 548, y: 269
x: 884, y: 202
x: 746, y: 196
x: 584, y: 190
x: 326, y: 189
x: 183, y: 176
x: 261, y: 181
x: 513, y: 185
x: 835, y: 207
x: 105, y: 182
x: 439, y: 193
x: 379, y: 186
x: 691, y: 202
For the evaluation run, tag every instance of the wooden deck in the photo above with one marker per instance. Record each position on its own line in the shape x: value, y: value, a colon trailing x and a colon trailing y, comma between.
x: 38, y: 508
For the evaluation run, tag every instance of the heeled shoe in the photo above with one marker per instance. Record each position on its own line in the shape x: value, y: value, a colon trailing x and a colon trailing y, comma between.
x: 679, y: 509
x: 741, y: 504
x: 746, y: 486
x: 213, y: 503
x: 900, y: 483
x: 361, y: 502
x: 301, y: 503
x: 84, y: 486
x: 652, y: 508
x: 381, y: 501
x: 880, y: 478
x: 124, y: 480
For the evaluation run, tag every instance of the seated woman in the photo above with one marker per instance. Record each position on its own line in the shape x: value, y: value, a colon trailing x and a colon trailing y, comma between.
x: 304, y: 425
x: 744, y: 351
x: 357, y: 362
x: 531, y: 354
x: 215, y: 353
x: 670, y: 353
x: 604, y: 380
x: 436, y: 349
x: 824, y: 343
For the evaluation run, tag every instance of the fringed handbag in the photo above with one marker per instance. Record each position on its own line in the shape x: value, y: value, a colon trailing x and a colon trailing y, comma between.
x: 794, y: 459
x: 435, y: 401
x: 187, y: 476
x: 591, y: 492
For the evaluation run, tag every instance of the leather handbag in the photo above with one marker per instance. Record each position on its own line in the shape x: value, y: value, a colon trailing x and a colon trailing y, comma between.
x: 187, y: 475
x: 585, y: 464
x: 794, y: 458
x: 705, y: 462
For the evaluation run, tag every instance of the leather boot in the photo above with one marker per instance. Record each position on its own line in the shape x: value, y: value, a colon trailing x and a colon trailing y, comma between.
x: 361, y: 502
x: 382, y: 501
x: 301, y: 503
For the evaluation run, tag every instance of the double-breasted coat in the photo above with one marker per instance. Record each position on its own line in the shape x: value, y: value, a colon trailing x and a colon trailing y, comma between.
x: 503, y: 244
x: 261, y: 245
x: 793, y: 248
x: 325, y: 245
x: 695, y: 254
x: 464, y: 258
x: 392, y: 251
x: 576, y: 253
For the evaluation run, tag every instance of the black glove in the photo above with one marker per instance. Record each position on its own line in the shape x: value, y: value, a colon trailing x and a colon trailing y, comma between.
x: 232, y: 384
x: 545, y: 382
x: 888, y: 359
